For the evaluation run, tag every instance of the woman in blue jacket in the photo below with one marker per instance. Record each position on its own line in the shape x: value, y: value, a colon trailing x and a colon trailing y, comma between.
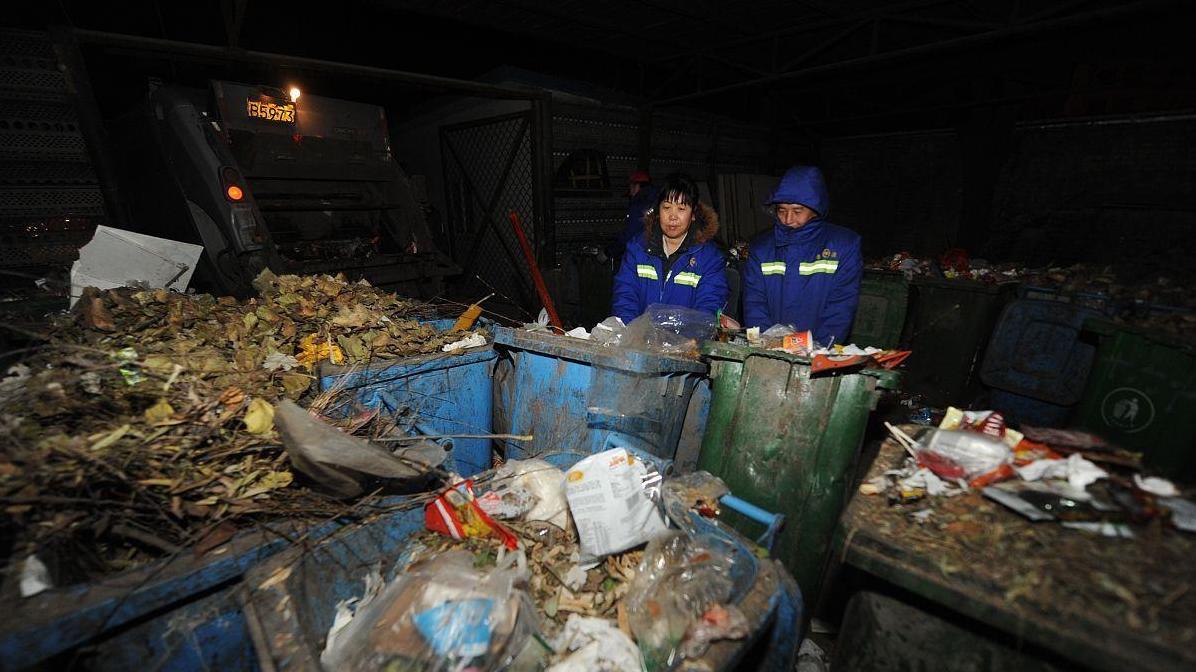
x: 805, y: 271
x: 675, y: 261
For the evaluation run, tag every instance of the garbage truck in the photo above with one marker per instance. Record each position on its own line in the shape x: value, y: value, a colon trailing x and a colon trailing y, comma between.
x: 267, y: 178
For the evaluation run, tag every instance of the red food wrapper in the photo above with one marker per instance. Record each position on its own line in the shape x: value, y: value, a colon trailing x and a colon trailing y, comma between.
x: 799, y: 342
x: 455, y: 513
x: 891, y: 359
x: 829, y: 362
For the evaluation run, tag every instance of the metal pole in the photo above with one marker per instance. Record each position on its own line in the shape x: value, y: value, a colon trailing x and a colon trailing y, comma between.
x: 175, y: 47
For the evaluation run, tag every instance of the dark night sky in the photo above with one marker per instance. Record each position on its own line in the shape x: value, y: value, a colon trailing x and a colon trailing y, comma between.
x: 1139, y: 63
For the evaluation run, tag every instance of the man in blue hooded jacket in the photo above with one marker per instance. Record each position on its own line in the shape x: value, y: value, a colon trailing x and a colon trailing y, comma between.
x: 805, y: 272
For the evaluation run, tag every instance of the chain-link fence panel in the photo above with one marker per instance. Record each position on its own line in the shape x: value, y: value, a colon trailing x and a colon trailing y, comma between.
x: 489, y: 170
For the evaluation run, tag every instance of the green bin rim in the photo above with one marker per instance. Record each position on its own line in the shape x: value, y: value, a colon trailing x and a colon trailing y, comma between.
x: 1105, y: 327
x: 715, y: 350
x: 966, y: 285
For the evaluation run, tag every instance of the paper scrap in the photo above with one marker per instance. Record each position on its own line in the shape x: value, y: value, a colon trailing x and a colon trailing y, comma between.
x: 35, y: 577
x: 1156, y: 486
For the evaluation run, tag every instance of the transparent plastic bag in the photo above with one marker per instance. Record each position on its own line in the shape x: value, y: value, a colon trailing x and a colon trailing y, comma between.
x: 957, y: 454
x: 441, y: 615
x: 679, y: 579
x: 608, y: 332
x: 670, y: 329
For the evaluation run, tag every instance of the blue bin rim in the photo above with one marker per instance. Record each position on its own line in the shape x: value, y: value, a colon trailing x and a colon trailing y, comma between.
x: 62, y: 618
x: 455, y: 358
x: 579, y: 350
x: 461, y: 357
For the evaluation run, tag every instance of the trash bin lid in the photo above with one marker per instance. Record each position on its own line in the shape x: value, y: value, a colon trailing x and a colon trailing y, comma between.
x: 1036, y: 351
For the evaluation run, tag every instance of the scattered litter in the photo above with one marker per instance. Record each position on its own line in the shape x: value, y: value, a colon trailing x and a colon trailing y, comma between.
x: 1101, y: 527
x: 1183, y: 513
x: 922, y: 516
x: 578, y: 332
x: 955, y: 454
x: 13, y: 383
x: 609, y: 505
x: 535, y: 490
x: 1156, y: 486
x: 278, y: 361
x: 811, y: 657
x: 1043, y: 500
x: 595, y: 644
x: 456, y: 513
x: 442, y: 614
x: 1079, y: 472
x: 716, y: 623
x: 471, y: 341
x: 679, y: 580
x: 609, y: 331
x: 346, y: 609
x: 35, y: 577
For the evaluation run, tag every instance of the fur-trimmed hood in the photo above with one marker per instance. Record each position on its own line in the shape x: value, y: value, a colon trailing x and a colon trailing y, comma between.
x: 704, y: 227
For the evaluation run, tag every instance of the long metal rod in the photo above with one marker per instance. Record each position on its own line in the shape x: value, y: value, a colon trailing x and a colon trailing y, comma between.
x: 943, y: 45
x: 176, y: 47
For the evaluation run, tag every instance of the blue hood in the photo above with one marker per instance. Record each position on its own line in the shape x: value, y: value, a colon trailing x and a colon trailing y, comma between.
x: 804, y: 185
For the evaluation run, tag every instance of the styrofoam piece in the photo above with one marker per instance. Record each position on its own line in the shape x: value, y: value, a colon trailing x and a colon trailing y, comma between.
x: 119, y: 258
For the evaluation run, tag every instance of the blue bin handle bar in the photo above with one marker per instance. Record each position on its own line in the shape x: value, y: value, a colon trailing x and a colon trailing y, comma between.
x: 774, y: 521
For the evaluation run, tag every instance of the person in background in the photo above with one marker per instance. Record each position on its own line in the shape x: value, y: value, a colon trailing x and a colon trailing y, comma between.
x: 643, y: 199
x: 805, y: 272
x: 673, y: 260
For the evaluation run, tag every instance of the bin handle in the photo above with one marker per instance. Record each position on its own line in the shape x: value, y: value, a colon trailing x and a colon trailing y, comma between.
x: 774, y: 521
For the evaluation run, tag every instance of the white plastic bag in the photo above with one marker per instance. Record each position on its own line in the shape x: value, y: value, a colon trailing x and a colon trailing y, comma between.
x: 609, y: 506
x: 597, y: 644
x: 535, y: 488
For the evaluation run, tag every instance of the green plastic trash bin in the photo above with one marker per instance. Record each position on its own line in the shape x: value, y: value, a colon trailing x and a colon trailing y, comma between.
x: 1141, y: 394
x: 880, y: 316
x: 787, y: 442
x: 948, y: 328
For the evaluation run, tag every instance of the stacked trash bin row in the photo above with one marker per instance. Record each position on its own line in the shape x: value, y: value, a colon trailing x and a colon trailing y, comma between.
x: 1042, y: 357
x: 784, y: 442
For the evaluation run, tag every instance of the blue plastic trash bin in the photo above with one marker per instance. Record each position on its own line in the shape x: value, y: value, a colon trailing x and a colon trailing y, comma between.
x: 1036, y: 363
x: 574, y: 395
x: 438, y: 394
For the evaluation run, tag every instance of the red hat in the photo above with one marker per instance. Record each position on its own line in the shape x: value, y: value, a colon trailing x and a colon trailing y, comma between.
x: 638, y: 176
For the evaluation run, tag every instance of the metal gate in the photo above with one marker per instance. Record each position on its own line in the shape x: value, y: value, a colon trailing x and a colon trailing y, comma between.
x: 491, y: 167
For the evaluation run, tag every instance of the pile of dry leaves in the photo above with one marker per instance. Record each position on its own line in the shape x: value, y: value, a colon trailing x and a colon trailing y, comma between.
x: 144, y: 423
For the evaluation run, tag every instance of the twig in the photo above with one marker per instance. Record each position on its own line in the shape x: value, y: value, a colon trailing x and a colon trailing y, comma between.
x: 146, y: 538
x: 421, y: 437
